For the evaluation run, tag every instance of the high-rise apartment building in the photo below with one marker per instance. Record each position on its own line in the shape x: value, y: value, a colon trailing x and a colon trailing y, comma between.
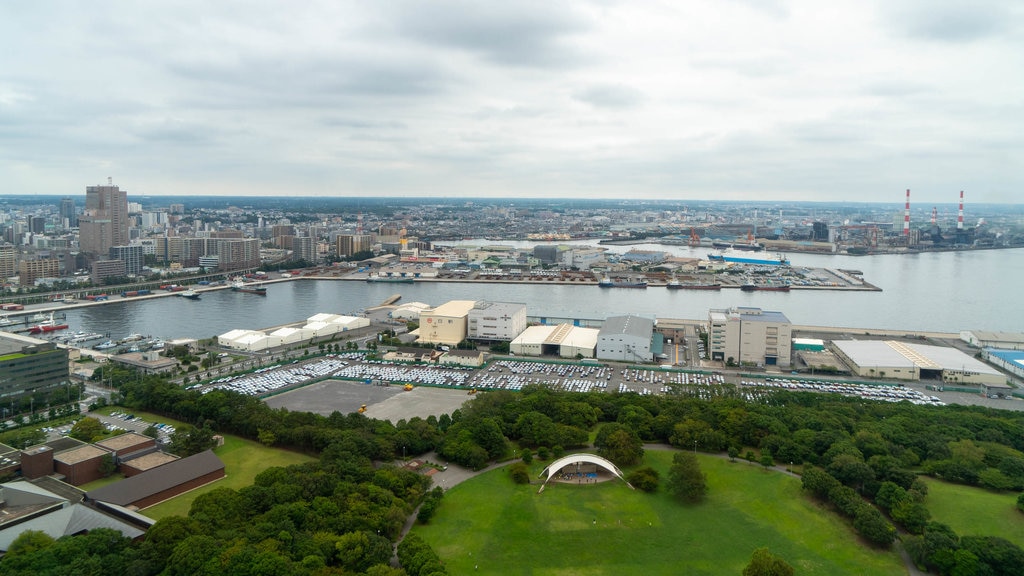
x: 8, y: 261
x: 32, y: 270
x: 349, y: 244
x: 132, y: 256
x: 304, y: 248
x: 104, y: 222
x: 68, y: 215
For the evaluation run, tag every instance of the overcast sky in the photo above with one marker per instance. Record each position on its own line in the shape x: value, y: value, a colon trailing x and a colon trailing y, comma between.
x: 694, y: 99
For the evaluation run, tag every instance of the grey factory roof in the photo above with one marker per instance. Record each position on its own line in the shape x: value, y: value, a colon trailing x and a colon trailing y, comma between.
x: 631, y: 325
x: 907, y: 355
x: 988, y: 336
x: 67, y: 521
x: 157, y: 480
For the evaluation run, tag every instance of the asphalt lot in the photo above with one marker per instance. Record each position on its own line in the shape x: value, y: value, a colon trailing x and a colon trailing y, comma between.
x: 383, y: 402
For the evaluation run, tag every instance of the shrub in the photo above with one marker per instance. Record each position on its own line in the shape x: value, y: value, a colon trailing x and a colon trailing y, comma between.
x: 520, y: 473
x: 645, y: 479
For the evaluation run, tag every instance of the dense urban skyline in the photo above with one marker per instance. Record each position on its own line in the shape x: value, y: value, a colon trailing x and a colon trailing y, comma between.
x: 786, y: 100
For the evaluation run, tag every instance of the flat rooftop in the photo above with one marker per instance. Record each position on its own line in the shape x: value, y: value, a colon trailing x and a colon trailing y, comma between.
x: 453, y: 308
x: 80, y: 454
x: 151, y: 460
x: 122, y: 441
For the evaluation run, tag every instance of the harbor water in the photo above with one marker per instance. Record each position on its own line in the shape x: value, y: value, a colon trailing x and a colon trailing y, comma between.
x: 932, y: 291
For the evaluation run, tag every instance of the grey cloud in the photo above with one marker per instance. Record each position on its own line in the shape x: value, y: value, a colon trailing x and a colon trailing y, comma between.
x: 519, y: 34
x: 610, y: 96
x: 951, y: 20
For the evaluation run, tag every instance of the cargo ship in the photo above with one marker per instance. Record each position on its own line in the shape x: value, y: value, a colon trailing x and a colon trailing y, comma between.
x: 732, y: 255
x: 764, y: 287
x: 676, y: 284
x: 607, y: 282
x: 249, y: 288
x: 700, y: 286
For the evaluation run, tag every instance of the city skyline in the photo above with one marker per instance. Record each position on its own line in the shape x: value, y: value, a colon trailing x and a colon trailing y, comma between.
x: 784, y: 100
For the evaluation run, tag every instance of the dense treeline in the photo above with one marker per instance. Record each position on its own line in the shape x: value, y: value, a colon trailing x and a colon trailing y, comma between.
x: 856, y: 452
x: 336, y: 516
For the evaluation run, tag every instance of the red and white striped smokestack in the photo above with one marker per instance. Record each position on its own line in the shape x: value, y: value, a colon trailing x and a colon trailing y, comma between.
x: 960, y: 214
x: 935, y: 213
x: 906, y: 216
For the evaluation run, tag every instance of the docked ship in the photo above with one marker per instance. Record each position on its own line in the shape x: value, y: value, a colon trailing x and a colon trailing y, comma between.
x: 676, y: 284
x: 190, y: 294
x: 732, y: 255
x: 749, y: 287
x: 391, y: 279
x: 700, y: 286
x: 47, y: 326
x: 244, y: 288
x: 608, y: 282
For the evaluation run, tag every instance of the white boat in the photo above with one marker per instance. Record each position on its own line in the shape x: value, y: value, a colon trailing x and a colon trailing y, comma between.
x: 190, y: 294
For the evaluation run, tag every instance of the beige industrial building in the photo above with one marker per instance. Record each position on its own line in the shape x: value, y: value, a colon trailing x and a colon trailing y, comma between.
x: 908, y: 361
x: 750, y: 336
x: 447, y: 324
x: 564, y: 340
x: 496, y: 321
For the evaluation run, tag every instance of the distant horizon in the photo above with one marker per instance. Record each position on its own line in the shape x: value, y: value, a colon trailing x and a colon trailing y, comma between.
x: 206, y: 198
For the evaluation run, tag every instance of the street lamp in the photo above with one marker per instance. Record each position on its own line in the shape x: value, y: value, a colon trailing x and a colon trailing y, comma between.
x: 695, y: 446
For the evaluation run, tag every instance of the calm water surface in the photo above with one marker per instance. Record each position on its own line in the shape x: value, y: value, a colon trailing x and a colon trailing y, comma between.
x: 938, y: 291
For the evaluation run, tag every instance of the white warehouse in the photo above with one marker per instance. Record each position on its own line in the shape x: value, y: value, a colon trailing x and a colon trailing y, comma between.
x: 316, y: 327
x: 564, y: 340
x: 496, y: 321
x: 626, y: 338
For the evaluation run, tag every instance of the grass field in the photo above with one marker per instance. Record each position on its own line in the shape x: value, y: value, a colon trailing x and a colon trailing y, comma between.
x: 488, y: 525
x: 974, y: 511
x: 243, y: 460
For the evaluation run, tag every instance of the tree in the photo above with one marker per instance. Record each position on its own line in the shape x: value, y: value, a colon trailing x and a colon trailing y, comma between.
x: 266, y: 437
x: 619, y: 444
x: 685, y: 479
x: 87, y: 429
x: 28, y: 542
x: 107, y: 465
x: 766, y: 460
x: 764, y: 563
x: 870, y: 524
x: 357, y: 551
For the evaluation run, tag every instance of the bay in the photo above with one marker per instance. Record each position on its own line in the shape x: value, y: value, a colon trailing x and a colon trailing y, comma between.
x: 932, y: 291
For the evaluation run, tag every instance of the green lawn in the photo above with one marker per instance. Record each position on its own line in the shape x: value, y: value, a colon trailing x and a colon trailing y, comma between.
x: 243, y: 460
x: 607, y: 528
x: 974, y: 511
